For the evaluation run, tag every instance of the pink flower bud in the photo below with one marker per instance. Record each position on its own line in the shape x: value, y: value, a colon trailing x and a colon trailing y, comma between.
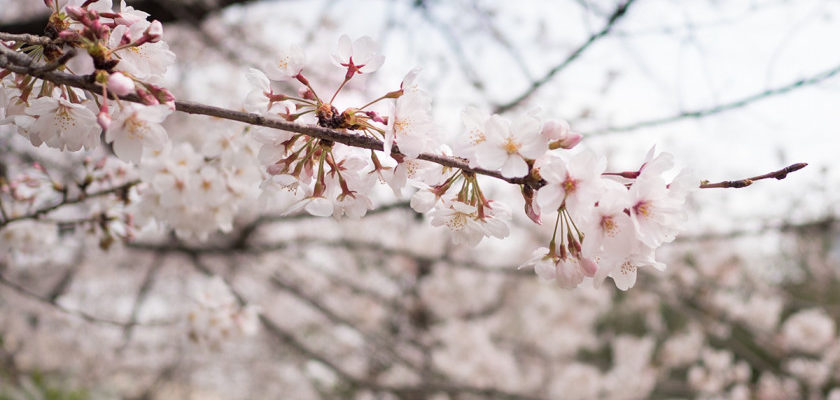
x: 104, y: 119
x: 589, y: 267
x: 559, y: 133
x: 125, y: 39
x: 571, y: 140
x: 120, y: 84
x: 275, y: 169
x: 49, y: 3
x: 74, y: 12
x: 555, y: 130
x: 154, y: 32
x: 148, y: 98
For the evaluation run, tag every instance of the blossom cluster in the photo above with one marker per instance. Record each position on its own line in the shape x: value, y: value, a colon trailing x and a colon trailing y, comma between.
x: 607, y: 224
x: 623, y: 216
x: 215, y: 316
x: 124, y: 52
x: 198, y: 187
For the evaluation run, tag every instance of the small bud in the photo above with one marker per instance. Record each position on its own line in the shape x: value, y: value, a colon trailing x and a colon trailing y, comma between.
x: 103, y: 118
x: 120, y: 84
x: 589, y: 267
x: 125, y: 39
x: 148, y: 98
x: 74, y: 12
x: 154, y: 32
x: 376, y: 117
x: 560, y: 134
x: 49, y: 3
x: 275, y: 169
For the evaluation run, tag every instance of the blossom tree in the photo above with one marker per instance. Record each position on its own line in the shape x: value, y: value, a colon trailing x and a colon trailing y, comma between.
x: 226, y: 194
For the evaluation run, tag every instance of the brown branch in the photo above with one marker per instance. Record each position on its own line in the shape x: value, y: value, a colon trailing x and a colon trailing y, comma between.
x: 66, y: 202
x: 53, y: 303
x: 619, y: 12
x: 779, y: 175
x: 25, y: 38
x: 20, y: 63
x: 140, y: 298
x: 733, y: 105
x: 23, y: 64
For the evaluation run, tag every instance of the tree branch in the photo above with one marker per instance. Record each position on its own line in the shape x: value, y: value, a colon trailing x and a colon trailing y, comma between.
x: 53, y: 303
x: 779, y: 175
x: 619, y: 12
x: 66, y: 202
x: 733, y: 105
x: 20, y: 63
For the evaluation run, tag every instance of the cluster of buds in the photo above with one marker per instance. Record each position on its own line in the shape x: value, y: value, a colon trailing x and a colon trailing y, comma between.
x: 121, y: 51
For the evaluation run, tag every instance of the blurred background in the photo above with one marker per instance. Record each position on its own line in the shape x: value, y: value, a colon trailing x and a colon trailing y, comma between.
x: 387, y: 307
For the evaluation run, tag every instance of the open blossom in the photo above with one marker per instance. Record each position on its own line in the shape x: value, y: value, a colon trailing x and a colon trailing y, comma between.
x: 411, y: 126
x: 656, y: 208
x: 610, y: 235
x: 575, y: 182
x: 62, y: 124
x: 572, y: 270
x: 147, y: 62
x: 359, y: 56
x: 259, y: 98
x: 544, y: 265
x: 135, y: 127
x: 625, y: 271
x: 508, y: 144
x: 467, y: 226
x: 475, y: 122
x: 287, y: 64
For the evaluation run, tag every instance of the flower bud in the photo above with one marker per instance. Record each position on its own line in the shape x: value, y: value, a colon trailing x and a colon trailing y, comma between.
x: 154, y: 32
x: 103, y: 118
x: 120, y: 84
x: 559, y: 133
x: 74, y: 12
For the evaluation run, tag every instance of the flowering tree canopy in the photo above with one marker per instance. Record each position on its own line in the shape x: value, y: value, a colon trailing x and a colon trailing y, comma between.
x: 134, y: 169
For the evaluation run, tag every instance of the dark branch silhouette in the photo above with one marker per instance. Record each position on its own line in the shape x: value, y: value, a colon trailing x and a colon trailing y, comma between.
x: 619, y: 12
x: 159, y: 10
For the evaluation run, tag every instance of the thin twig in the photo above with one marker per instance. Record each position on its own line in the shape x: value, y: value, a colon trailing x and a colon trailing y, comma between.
x: 619, y: 12
x: 733, y: 105
x: 54, y: 304
x: 779, y: 175
x: 65, y: 202
x: 23, y: 64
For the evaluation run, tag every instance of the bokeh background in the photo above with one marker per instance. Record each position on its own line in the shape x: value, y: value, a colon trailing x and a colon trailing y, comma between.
x: 387, y: 307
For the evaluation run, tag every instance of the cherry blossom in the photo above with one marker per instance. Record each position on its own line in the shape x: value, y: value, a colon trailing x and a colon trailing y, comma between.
x: 575, y: 182
x: 287, y: 64
x: 508, y: 145
x: 359, y: 56
x: 411, y: 126
x: 137, y: 127
x: 62, y: 124
x: 147, y: 62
